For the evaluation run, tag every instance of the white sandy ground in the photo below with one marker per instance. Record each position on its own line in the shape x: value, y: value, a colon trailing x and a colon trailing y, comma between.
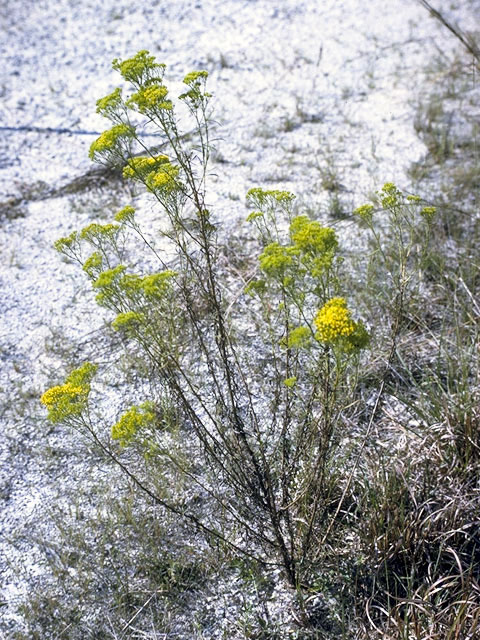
x: 301, y: 88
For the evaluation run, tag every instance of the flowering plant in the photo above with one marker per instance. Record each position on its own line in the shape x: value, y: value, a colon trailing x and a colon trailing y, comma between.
x: 249, y: 390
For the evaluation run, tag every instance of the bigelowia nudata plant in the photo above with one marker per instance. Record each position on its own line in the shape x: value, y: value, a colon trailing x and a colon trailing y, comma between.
x: 253, y: 379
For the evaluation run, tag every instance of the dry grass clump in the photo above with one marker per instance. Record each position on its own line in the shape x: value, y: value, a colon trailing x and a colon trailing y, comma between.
x: 420, y: 535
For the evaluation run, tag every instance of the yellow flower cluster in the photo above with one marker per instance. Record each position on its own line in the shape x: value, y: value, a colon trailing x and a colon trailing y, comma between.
x: 128, y: 320
x: 157, y: 283
x: 156, y: 172
x: 95, y: 230
x: 93, y: 264
x: 67, y: 243
x: 53, y: 396
x: 317, y: 244
x: 108, y: 104
x: 132, y: 421
x: 69, y: 399
x: 139, y: 68
x: 164, y: 179
x: 268, y: 197
x: 254, y: 215
x: 109, y: 139
x: 335, y: 326
x: 151, y: 97
x: 194, y: 76
x: 428, y: 213
x: 143, y: 166
x: 194, y: 80
x: 153, y: 286
x: 393, y: 199
x: 390, y: 196
x: 109, y: 277
x: 125, y: 215
x: 334, y: 321
x: 312, y: 250
x: 365, y: 212
x: 275, y: 259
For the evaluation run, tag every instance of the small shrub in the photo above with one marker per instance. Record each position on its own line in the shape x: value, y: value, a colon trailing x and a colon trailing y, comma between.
x: 252, y: 424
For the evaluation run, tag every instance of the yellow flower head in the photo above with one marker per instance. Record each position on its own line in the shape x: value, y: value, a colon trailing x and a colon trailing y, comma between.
x: 109, y: 104
x: 125, y: 215
x: 67, y: 244
x: 151, y: 97
x: 108, y: 140
x: 53, y: 396
x: 268, y: 198
x: 275, y: 259
x: 142, y: 166
x: 335, y: 326
x: 69, y: 399
x: 132, y: 421
x: 390, y: 196
x: 365, y: 212
x: 93, y: 265
x: 334, y: 321
x: 128, y: 321
x: 428, y: 213
x: 195, y: 76
x: 164, y: 179
x: 140, y: 68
